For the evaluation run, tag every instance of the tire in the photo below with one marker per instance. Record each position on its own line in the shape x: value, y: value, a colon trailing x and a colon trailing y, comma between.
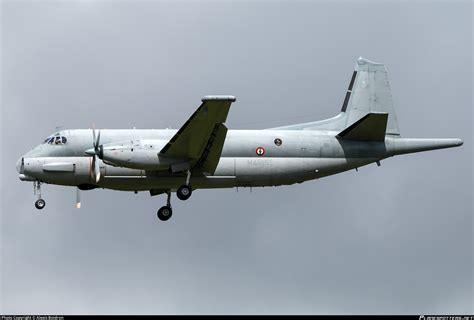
x: 184, y: 192
x: 164, y: 213
x: 40, y: 204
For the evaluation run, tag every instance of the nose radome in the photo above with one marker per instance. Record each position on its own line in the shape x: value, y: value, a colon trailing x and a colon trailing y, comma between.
x: 18, y: 165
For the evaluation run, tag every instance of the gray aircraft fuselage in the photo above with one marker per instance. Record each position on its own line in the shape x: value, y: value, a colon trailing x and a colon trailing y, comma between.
x: 303, y: 155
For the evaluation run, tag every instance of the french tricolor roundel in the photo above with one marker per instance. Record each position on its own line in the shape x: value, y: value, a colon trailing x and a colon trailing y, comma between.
x: 260, y: 151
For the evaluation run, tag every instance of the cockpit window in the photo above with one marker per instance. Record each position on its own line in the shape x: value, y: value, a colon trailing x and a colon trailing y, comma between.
x: 57, y: 138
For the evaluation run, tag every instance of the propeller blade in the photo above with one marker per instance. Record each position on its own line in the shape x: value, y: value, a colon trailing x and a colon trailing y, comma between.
x: 93, y: 135
x: 98, y: 139
x: 93, y: 166
x: 78, y: 198
x: 96, y: 170
x: 95, y: 153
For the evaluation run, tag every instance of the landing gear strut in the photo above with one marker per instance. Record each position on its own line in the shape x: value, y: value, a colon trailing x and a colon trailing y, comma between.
x: 40, y: 203
x: 185, y: 191
x: 165, y: 212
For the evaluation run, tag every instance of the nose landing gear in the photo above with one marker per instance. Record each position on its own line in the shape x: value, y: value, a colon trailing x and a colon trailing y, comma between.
x: 40, y: 203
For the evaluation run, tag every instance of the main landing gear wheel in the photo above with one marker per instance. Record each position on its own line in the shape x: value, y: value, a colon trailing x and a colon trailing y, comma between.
x: 184, y: 192
x: 164, y: 213
x: 39, y: 204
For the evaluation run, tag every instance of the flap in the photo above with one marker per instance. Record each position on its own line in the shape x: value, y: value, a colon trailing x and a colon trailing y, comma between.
x: 212, y: 153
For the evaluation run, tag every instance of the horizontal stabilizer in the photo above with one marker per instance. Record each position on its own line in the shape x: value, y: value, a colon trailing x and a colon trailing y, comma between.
x: 371, y: 127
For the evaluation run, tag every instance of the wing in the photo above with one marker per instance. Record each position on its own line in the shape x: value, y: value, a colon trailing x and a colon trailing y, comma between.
x: 198, y: 143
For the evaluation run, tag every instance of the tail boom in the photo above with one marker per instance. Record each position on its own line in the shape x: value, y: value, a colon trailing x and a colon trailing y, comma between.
x: 398, y: 146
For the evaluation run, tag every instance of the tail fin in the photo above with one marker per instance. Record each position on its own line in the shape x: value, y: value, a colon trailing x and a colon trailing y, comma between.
x: 368, y: 92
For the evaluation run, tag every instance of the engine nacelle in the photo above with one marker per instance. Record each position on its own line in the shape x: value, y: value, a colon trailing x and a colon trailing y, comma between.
x: 138, y: 154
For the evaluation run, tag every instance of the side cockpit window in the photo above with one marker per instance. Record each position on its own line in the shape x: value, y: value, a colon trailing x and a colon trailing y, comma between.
x: 55, y: 139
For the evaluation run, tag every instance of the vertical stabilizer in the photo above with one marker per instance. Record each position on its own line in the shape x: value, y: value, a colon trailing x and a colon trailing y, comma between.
x: 369, y: 92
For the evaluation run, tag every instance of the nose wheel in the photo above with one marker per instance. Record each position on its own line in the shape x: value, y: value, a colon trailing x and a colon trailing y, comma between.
x: 40, y: 203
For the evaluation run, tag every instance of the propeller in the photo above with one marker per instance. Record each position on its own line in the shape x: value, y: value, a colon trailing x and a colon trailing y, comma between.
x: 96, y: 152
x: 78, y: 198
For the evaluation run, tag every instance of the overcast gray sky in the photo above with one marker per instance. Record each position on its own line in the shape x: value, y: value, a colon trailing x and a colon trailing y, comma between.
x: 394, y: 239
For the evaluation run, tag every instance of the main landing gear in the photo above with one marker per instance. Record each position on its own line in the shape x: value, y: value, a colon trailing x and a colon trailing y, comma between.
x: 165, y: 212
x: 40, y: 203
x: 183, y: 193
